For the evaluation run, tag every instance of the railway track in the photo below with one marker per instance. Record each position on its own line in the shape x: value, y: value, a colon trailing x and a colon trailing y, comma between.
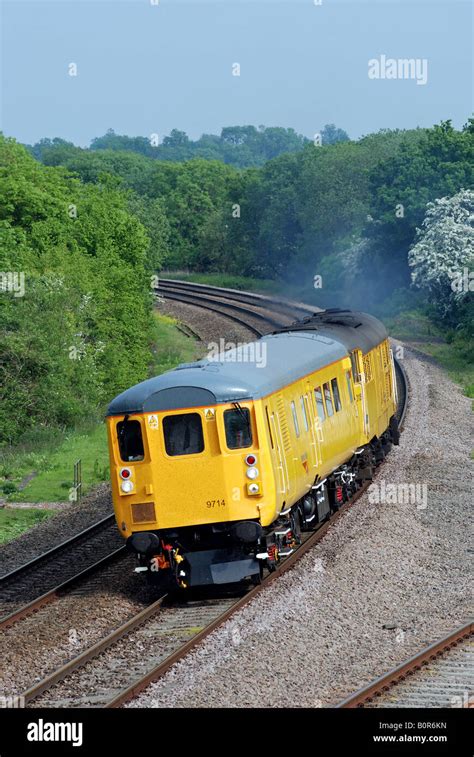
x: 61, y: 589
x: 276, y: 305
x: 40, y: 577
x: 156, y: 638
x: 168, y: 628
x: 441, y: 675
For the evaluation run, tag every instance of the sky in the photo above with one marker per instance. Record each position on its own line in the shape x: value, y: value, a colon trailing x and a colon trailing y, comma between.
x: 145, y: 67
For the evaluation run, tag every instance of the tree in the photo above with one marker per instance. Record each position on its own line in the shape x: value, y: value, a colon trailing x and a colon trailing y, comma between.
x: 330, y: 135
x: 176, y: 139
x: 79, y: 331
x: 442, y: 258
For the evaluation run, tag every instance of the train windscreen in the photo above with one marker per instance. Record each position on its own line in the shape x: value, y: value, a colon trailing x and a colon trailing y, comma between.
x: 183, y: 434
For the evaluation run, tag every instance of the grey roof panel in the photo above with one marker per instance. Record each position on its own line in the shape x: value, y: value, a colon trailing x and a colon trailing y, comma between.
x: 249, y: 372
x: 353, y: 329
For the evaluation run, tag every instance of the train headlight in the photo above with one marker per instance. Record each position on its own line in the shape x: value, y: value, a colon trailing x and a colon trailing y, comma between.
x: 125, y: 473
x: 252, y: 473
x: 251, y: 459
x: 253, y: 488
x: 126, y: 486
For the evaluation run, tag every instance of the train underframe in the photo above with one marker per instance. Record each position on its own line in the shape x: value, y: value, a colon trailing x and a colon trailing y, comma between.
x: 239, y: 551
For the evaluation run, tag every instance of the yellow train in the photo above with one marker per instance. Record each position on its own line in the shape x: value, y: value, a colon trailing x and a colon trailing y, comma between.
x: 217, y: 466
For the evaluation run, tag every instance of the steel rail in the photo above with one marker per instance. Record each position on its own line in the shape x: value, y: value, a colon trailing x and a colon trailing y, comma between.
x: 200, y: 300
x: 60, y: 589
x: 387, y: 681
x: 252, y: 298
x: 54, y: 551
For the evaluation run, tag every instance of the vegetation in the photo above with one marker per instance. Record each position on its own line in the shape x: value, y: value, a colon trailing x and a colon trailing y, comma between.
x: 342, y: 224
x: 78, y: 327
x: 15, y: 522
x: 47, y: 455
x: 239, y: 146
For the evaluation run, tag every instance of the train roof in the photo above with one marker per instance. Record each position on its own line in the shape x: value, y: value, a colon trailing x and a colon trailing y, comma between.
x: 254, y: 370
x: 353, y: 329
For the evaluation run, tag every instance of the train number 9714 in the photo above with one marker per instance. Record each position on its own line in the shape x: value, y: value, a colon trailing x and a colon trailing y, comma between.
x: 215, y: 503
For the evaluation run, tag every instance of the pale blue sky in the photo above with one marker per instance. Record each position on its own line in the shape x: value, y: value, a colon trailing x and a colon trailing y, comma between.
x: 146, y: 69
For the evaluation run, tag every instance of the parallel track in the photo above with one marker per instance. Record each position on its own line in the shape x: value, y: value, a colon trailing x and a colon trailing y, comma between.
x: 275, y: 304
x: 40, y: 575
x: 441, y: 675
x: 60, y: 589
x: 98, y: 664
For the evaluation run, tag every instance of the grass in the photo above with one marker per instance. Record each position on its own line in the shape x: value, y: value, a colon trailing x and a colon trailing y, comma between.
x: 49, y: 456
x: 171, y: 346
x: 53, y: 463
x: 15, y: 522
x: 453, y: 353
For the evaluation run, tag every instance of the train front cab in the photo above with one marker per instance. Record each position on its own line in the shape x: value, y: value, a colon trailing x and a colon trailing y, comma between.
x: 191, y: 485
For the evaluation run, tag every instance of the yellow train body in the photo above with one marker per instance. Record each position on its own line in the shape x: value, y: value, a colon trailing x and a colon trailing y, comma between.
x: 298, y: 435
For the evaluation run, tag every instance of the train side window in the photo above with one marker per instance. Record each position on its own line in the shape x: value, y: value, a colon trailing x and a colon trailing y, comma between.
x: 129, y: 436
x: 305, y: 417
x: 318, y: 395
x: 238, y: 430
x: 295, y: 418
x: 336, y: 395
x: 269, y: 427
x: 328, y: 400
x: 183, y: 434
x: 349, y: 386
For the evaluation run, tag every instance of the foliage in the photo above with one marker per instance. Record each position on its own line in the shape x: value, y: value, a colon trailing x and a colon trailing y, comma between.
x: 240, y: 146
x: 347, y: 211
x: 437, y: 164
x: 15, y: 522
x: 81, y: 330
x: 443, y: 256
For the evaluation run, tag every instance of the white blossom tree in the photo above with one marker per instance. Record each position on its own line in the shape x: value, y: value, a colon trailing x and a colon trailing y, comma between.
x: 442, y: 257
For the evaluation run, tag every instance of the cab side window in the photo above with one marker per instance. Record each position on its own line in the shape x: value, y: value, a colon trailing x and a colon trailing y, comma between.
x: 349, y: 386
x: 305, y: 417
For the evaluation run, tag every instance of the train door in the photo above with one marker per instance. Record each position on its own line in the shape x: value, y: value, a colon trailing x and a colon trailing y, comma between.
x: 315, y: 428
x: 360, y: 389
x: 285, y: 443
x: 282, y: 470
